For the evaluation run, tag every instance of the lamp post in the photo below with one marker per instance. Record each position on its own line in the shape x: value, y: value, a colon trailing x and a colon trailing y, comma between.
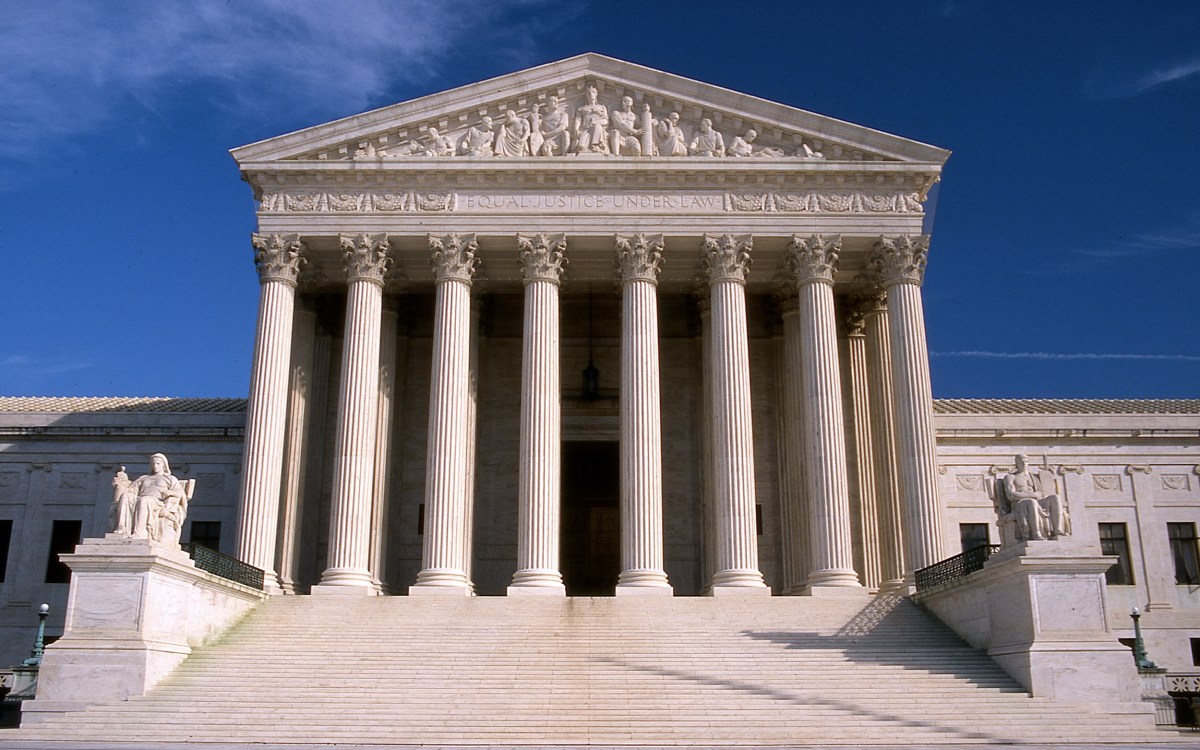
x: 39, y: 644
x: 1139, y: 646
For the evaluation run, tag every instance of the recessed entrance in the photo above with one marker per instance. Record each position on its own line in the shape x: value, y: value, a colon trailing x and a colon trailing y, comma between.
x: 591, y: 522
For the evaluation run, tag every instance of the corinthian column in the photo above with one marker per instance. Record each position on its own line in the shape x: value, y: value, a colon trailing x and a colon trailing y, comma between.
x: 812, y: 263
x: 538, y: 492
x: 883, y: 436
x: 297, y: 447
x: 384, y: 429
x: 638, y: 258
x: 794, y: 505
x: 278, y: 259
x: 349, y: 571
x: 900, y: 263
x: 726, y: 259
x: 443, y: 556
x: 863, y: 467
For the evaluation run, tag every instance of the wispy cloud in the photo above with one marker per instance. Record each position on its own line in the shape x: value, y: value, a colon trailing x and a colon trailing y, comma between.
x: 26, y: 366
x: 1057, y: 356
x: 69, y: 66
x: 1124, y: 87
x: 1184, y: 236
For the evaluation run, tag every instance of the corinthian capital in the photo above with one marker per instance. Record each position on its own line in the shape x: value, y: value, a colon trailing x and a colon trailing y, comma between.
x: 813, y: 259
x: 900, y: 259
x: 726, y: 258
x: 454, y: 256
x: 366, y: 257
x: 639, y: 256
x: 542, y: 256
x: 278, y: 257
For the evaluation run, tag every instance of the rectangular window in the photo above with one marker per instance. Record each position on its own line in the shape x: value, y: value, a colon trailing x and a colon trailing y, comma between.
x: 5, y: 541
x: 421, y: 519
x: 758, y: 521
x: 1114, y: 540
x: 973, y: 535
x: 206, y: 534
x: 64, y: 535
x: 1195, y: 642
x: 1183, y: 551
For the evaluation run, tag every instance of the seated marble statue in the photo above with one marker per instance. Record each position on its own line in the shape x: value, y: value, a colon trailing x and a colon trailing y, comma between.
x: 591, y: 126
x: 479, y: 140
x: 707, y: 142
x: 1027, y: 506
x: 153, y: 506
x: 626, y: 135
x: 439, y: 145
x: 555, y: 136
x: 671, y: 141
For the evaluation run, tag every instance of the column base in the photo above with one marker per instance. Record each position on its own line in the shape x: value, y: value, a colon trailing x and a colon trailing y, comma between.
x: 537, y: 578
x: 740, y: 577
x: 559, y: 590
x: 635, y: 590
x: 733, y: 590
x: 896, y: 587
x: 833, y: 578
x: 327, y: 589
x: 838, y: 592
x: 427, y: 589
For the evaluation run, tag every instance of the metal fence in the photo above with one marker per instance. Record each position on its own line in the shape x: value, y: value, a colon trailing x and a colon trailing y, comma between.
x: 225, y: 566
x: 953, y: 568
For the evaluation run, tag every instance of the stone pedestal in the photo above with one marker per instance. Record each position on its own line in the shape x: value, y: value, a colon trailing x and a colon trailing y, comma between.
x: 1040, y: 610
x: 135, y: 611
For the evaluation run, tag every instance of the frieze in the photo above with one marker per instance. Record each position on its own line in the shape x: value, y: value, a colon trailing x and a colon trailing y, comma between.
x: 812, y: 202
x: 1175, y: 482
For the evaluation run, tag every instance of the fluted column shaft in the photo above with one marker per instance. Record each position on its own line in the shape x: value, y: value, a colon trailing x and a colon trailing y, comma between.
x: 883, y: 447
x: 539, y: 486
x: 357, y: 420
x: 864, y: 465
x: 443, y: 555
x: 278, y: 259
x: 708, y: 504
x: 726, y: 259
x: 384, y: 429
x: 296, y: 448
x: 470, y: 468
x: 813, y: 262
x: 900, y: 262
x: 642, y: 571
x: 795, y: 515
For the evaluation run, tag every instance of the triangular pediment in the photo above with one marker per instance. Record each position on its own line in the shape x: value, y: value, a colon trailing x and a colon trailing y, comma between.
x: 589, y: 105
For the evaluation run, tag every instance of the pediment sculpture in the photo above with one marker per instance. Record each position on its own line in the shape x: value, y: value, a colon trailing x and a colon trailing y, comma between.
x: 550, y: 129
x: 153, y: 506
x: 1028, y: 504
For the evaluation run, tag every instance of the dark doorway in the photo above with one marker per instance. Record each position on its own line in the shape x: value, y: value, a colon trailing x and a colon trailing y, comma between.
x: 591, y: 522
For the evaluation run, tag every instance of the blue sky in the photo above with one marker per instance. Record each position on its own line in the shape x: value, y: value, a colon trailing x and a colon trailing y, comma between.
x: 1066, y: 251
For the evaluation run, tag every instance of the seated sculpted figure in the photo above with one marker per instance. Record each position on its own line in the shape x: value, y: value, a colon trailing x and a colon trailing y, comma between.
x: 743, y: 145
x: 707, y: 142
x: 479, y: 140
x: 514, y: 136
x: 1028, y: 507
x: 153, y: 506
x: 591, y: 126
x: 626, y: 135
x: 555, y: 137
x: 671, y: 141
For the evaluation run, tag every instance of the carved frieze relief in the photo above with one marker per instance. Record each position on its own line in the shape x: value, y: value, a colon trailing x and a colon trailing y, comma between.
x: 588, y: 118
x: 1175, y: 482
x: 970, y: 482
x: 812, y: 202
x: 1107, y: 482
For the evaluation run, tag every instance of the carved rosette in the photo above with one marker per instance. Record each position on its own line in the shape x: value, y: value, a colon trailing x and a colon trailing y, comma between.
x: 813, y: 259
x: 542, y: 256
x: 900, y: 259
x: 639, y: 257
x: 278, y: 257
x: 726, y: 258
x: 366, y: 257
x: 453, y: 257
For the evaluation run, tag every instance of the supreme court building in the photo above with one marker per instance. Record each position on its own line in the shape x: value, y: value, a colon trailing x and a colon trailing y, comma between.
x: 592, y: 329
x: 576, y: 327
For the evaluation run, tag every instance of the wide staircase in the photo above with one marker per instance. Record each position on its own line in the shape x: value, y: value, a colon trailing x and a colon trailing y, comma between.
x: 580, y: 671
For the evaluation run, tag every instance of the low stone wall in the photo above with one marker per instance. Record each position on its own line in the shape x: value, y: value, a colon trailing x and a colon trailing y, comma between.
x: 136, y: 610
x: 1040, y: 611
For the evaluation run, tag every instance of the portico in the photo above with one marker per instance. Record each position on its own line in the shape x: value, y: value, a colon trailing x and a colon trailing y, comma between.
x: 425, y: 320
